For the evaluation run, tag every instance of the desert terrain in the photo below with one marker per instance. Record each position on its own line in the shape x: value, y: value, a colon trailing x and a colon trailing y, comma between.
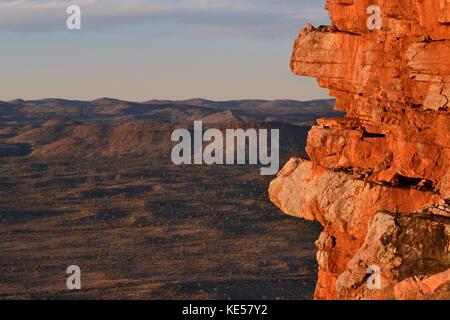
x: 91, y: 184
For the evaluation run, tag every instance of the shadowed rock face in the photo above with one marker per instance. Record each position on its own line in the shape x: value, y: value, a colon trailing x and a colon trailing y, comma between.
x: 379, y: 178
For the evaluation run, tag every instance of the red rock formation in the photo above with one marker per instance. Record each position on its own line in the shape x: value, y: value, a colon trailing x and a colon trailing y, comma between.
x: 373, y: 176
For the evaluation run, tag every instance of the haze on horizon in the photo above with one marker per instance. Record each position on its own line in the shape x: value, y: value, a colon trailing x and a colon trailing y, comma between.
x: 155, y: 49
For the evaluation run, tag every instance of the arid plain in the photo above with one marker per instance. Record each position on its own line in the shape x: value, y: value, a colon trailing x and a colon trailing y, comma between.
x: 91, y: 184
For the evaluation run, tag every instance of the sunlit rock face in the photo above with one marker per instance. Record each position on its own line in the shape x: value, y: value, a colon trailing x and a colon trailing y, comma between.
x: 378, y: 179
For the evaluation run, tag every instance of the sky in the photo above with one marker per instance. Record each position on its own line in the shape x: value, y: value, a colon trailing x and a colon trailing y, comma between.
x: 155, y: 49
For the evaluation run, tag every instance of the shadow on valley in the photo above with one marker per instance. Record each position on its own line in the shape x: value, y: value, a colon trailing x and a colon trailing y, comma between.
x: 144, y: 229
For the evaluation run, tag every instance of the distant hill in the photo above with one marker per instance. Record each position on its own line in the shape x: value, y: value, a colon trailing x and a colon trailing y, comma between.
x: 133, y: 138
x: 113, y: 110
x: 109, y: 127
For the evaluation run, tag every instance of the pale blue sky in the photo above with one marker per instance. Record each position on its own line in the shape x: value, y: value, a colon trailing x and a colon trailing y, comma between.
x: 153, y: 49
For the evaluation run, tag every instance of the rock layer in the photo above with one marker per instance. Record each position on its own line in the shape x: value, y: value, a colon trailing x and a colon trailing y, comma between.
x: 378, y: 179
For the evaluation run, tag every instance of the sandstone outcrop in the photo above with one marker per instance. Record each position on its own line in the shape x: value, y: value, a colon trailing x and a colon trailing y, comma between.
x: 378, y: 180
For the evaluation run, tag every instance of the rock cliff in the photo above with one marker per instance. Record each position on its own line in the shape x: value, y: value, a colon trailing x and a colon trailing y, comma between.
x: 378, y: 180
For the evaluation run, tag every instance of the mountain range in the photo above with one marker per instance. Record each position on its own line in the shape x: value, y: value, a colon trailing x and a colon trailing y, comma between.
x: 110, y: 127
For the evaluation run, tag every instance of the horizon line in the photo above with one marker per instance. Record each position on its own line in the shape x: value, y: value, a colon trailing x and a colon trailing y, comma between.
x: 171, y: 100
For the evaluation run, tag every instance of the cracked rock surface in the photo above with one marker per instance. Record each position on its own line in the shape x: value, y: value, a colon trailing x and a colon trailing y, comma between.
x: 378, y: 180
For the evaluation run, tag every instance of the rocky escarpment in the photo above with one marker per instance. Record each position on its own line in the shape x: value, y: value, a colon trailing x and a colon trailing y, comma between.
x: 379, y: 179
